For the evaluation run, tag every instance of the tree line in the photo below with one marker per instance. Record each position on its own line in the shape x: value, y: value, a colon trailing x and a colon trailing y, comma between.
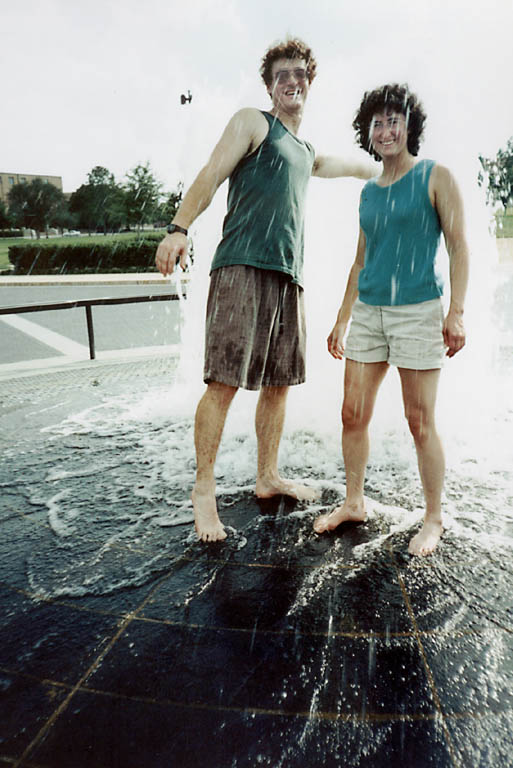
x: 497, y: 174
x: 103, y: 205
x: 100, y: 205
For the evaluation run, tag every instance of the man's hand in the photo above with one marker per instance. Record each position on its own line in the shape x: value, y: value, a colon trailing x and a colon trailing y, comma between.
x: 171, y: 249
x: 454, y: 333
x: 336, y: 340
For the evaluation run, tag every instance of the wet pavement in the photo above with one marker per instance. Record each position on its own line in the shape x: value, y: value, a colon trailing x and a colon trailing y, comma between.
x: 133, y: 646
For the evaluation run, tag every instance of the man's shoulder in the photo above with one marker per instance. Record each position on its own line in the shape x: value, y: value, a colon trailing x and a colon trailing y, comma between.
x: 249, y: 117
x: 249, y: 123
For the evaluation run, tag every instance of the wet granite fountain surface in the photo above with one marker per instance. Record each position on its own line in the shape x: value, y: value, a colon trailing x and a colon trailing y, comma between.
x: 124, y: 642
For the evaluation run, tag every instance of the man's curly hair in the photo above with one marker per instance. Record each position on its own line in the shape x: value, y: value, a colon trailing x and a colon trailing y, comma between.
x: 292, y: 48
x: 390, y: 98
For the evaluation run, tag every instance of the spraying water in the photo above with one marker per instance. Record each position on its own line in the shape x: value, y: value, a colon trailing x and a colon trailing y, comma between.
x: 114, y: 482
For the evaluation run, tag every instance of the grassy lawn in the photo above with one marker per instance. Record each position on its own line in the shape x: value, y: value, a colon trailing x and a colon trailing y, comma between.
x: 505, y: 226
x: 82, y: 240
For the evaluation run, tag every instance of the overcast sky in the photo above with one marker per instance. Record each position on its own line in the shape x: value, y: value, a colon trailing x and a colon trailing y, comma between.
x: 98, y: 82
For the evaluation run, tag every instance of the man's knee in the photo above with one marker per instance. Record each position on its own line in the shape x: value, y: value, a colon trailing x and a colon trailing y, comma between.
x: 222, y: 393
x: 274, y: 393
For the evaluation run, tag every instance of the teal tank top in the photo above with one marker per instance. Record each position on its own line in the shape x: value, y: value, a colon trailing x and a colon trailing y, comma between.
x: 264, y: 223
x: 402, y: 233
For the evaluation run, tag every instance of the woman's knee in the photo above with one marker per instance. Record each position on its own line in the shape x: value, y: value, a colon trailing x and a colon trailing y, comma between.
x: 420, y: 423
x: 355, y: 415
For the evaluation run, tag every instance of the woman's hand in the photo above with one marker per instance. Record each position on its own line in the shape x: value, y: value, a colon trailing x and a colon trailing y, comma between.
x: 336, y: 340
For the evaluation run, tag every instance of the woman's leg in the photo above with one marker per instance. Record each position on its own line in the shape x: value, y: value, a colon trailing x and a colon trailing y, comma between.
x: 419, y: 397
x: 361, y: 384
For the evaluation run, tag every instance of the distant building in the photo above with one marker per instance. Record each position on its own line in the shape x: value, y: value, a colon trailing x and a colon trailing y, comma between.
x: 8, y: 180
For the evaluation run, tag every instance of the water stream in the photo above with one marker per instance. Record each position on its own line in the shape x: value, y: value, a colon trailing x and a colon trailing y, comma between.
x: 112, y: 480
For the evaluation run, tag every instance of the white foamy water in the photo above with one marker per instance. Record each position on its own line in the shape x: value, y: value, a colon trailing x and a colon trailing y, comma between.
x: 127, y: 465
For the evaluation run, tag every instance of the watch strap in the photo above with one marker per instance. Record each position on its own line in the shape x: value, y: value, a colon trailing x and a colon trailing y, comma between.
x: 175, y: 228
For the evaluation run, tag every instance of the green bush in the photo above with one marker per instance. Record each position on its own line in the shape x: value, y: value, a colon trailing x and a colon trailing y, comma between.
x: 11, y: 233
x: 134, y: 255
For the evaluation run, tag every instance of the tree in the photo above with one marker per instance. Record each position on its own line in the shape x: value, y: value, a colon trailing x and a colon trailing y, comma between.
x: 99, y: 204
x: 168, y: 208
x: 5, y: 219
x: 498, y: 173
x: 100, y: 176
x: 82, y: 204
x: 37, y: 205
x: 143, y: 193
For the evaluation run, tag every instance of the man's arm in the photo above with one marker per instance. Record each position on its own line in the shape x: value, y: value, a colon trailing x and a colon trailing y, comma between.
x: 330, y: 167
x: 449, y: 206
x: 336, y: 337
x: 243, y: 132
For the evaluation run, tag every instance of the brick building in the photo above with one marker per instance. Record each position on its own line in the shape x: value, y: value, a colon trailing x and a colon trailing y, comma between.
x: 8, y: 180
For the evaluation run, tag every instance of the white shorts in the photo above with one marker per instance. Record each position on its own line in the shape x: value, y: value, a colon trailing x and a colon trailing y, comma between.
x: 408, y: 336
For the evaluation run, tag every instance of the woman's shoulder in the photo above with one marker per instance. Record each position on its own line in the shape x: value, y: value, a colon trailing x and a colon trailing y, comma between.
x: 440, y: 174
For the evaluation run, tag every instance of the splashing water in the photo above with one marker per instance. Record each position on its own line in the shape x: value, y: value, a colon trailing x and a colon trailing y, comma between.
x: 139, y: 467
x: 114, y: 486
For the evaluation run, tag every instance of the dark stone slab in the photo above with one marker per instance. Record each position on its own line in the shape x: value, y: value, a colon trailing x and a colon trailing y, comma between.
x: 485, y: 741
x: 278, y: 531
x: 367, y: 599
x: 98, y: 731
x: 461, y: 595
x: 121, y: 601
x: 50, y: 641
x: 275, y: 648
x: 472, y: 673
x: 288, y: 672
x: 20, y: 538
x: 25, y: 706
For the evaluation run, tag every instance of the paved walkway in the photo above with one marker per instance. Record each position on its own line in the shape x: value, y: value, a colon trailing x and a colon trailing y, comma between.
x: 125, y: 644
x: 71, y: 353
x: 130, y: 646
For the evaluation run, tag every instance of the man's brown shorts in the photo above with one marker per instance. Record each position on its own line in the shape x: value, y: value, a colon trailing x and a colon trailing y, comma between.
x: 255, y: 329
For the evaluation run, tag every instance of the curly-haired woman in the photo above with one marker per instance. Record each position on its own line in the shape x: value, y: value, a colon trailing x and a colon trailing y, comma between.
x: 393, y: 299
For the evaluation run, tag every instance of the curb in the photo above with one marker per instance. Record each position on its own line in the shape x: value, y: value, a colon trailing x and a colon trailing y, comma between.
x: 136, y: 278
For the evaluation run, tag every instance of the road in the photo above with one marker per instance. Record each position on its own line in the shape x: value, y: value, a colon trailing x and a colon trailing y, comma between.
x: 47, y: 335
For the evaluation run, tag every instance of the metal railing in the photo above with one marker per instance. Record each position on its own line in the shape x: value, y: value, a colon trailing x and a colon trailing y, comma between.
x: 88, y: 304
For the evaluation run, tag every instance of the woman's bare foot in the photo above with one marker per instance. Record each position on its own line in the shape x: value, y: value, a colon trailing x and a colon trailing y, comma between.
x: 206, y: 520
x: 267, y: 489
x: 425, y: 541
x: 354, y: 513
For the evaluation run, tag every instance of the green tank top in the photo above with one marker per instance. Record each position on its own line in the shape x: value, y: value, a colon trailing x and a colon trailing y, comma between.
x: 402, y: 232
x: 264, y: 223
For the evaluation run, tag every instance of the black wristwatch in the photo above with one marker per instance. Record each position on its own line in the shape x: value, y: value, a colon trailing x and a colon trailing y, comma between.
x: 175, y: 228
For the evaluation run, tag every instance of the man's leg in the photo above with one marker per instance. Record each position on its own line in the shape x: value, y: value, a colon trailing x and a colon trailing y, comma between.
x: 361, y: 384
x: 208, y: 428
x: 269, y: 420
x: 419, y: 396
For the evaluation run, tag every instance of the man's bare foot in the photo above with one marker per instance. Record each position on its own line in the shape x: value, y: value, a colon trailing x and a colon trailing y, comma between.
x: 268, y: 489
x: 425, y: 541
x: 353, y: 513
x: 206, y: 520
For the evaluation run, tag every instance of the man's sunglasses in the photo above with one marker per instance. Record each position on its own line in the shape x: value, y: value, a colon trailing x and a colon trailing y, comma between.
x: 283, y: 75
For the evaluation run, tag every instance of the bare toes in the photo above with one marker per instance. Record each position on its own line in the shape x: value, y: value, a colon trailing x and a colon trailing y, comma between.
x: 320, y: 525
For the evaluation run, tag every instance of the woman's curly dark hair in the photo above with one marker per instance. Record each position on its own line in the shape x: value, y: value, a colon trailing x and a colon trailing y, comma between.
x: 390, y: 98
x: 292, y: 48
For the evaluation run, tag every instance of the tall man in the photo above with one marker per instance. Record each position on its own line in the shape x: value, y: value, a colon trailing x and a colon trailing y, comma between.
x: 255, y: 327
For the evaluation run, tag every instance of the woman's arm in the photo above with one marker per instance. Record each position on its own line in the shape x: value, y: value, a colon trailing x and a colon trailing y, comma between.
x: 336, y: 337
x: 449, y: 206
